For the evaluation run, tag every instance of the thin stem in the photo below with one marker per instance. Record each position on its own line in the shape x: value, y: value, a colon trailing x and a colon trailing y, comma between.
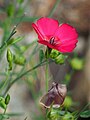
x: 23, y: 74
x: 11, y: 34
x: 22, y: 70
x: 4, y: 113
x: 54, y: 8
x: 38, y: 65
x: 46, y: 77
x: 5, y: 83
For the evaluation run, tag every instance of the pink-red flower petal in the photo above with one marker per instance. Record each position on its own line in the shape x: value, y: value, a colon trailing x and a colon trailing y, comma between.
x: 47, y: 26
x: 64, y: 36
x: 40, y: 35
x: 66, y: 32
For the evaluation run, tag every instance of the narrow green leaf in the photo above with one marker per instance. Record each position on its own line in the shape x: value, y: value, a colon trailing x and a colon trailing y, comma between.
x: 13, y: 41
x: 41, y: 55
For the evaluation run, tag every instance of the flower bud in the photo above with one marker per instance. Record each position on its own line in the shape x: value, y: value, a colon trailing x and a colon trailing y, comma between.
x: 20, y: 60
x: 54, y: 54
x: 2, y: 103
x: 7, y: 99
x: 60, y: 59
x: 9, y: 56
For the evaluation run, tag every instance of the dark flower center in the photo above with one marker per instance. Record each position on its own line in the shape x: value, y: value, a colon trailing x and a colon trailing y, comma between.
x: 52, y: 41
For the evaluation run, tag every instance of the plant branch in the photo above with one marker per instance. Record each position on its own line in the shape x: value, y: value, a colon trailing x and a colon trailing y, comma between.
x: 23, y: 74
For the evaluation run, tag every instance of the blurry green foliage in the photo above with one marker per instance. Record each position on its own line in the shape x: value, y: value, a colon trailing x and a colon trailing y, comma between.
x: 59, y: 114
x: 77, y: 63
x: 85, y: 114
x: 68, y: 102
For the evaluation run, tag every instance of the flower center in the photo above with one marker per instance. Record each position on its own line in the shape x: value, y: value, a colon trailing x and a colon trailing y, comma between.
x: 52, y: 41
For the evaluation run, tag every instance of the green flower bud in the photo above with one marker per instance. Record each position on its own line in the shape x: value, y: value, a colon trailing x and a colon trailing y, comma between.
x: 9, y: 56
x: 54, y: 54
x: 20, y: 60
x: 77, y: 63
x: 60, y: 59
x: 7, y: 99
x: 2, y: 103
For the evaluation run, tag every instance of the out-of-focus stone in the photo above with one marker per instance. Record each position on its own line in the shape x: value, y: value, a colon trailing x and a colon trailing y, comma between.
x: 41, y: 7
x: 75, y: 12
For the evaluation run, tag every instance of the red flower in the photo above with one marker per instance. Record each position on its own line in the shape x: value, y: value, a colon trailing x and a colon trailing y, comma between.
x: 60, y: 37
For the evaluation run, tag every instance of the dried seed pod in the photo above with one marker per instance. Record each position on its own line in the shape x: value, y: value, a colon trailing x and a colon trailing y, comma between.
x: 55, y: 96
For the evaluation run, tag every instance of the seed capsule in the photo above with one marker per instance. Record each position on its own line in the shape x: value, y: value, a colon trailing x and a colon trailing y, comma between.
x: 55, y: 96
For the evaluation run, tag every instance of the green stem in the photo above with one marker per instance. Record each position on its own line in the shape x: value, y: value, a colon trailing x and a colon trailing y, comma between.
x: 11, y: 34
x: 5, y: 83
x: 23, y: 74
x: 54, y: 8
x: 4, y: 113
x: 46, y: 77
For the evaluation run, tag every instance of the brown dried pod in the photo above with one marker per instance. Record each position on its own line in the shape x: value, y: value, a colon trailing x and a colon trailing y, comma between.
x: 55, y: 96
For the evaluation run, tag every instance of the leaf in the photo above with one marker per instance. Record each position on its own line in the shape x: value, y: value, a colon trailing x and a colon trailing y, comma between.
x: 41, y: 55
x: 85, y: 114
x: 13, y: 41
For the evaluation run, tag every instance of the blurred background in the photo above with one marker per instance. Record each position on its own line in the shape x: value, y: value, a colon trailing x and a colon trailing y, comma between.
x: 25, y: 94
